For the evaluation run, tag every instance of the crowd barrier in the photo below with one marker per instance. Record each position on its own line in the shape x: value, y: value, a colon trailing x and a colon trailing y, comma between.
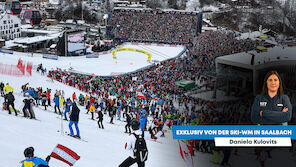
x: 21, y: 69
x: 6, y: 51
x: 48, y: 56
x: 7, y: 69
x: 92, y: 56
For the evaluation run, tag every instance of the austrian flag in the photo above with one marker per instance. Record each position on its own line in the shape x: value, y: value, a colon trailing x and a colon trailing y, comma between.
x: 64, y: 154
x: 141, y: 95
x: 186, y: 154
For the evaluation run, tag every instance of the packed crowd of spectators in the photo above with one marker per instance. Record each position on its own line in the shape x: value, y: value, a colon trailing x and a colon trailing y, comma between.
x: 157, y: 26
x: 157, y: 82
x: 101, y: 48
x: 212, y: 44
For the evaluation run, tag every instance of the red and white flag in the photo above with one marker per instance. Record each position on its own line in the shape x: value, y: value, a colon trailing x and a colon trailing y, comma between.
x: 185, y: 153
x: 64, y: 154
x: 141, y: 95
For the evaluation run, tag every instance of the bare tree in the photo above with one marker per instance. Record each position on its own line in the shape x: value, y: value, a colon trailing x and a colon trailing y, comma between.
x: 193, y: 5
x: 172, y: 4
x: 286, y: 10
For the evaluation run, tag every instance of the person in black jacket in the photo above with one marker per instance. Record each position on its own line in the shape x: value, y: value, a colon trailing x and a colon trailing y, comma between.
x: 271, y: 106
x: 74, y: 118
x: 1, y: 88
x: 10, y: 102
x: 28, y: 106
x: 128, y: 123
x: 112, y: 111
x: 100, y: 121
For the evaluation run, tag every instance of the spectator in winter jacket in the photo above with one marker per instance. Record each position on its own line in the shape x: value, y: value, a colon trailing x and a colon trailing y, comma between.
x: 61, y: 101
x: 92, y: 109
x: 44, y: 99
x: 143, y: 112
x: 48, y: 96
x: 74, y: 96
x: 57, y: 104
x: 112, y: 112
x: 119, y: 113
x: 160, y: 127
x: 128, y: 123
x: 81, y: 99
x: 1, y: 88
x: 7, y: 88
x: 91, y: 100
x: 86, y: 98
x: 74, y: 118
x: 28, y: 102
x: 68, y: 107
x: 131, y: 145
x: 36, y: 97
x: 32, y: 161
x: 143, y: 121
x: 100, y: 121
x: 39, y: 98
x: 10, y: 102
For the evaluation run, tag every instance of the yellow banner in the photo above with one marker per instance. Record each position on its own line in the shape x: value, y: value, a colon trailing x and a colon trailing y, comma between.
x: 133, y: 50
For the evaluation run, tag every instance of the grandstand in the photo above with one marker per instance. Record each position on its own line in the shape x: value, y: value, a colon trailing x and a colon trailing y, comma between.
x: 160, y: 26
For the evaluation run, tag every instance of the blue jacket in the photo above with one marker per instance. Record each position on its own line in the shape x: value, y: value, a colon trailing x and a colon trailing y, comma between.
x: 153, y: 108
x: 271, y: 109
x: 143, y: 120
x: 57, y: 101
x: 68, y: 106
x: 143, y: 111
x: 35, y: 95
x: 34, y: 162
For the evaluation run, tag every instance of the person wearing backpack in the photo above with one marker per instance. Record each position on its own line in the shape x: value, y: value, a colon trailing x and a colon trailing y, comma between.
x: 136, y: 144
x: 32, y: 161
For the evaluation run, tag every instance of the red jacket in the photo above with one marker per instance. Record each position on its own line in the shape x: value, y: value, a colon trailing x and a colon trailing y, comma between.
x: 92, y: 100
x: 48, y: 95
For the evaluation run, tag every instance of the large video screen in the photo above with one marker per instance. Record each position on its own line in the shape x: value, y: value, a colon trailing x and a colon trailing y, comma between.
x: 75, y: 41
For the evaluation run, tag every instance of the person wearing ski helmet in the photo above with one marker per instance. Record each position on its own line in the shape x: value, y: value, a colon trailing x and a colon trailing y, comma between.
x: 32, y: 161
x: 131, y: 144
